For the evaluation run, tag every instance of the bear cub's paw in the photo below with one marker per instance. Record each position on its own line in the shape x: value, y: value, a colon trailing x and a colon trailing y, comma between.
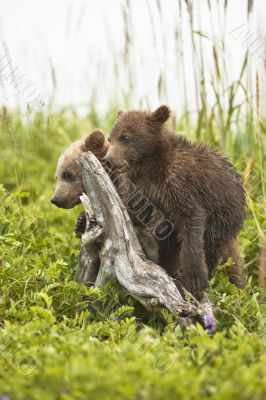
x: 195, y: 281
x: 80, y: 224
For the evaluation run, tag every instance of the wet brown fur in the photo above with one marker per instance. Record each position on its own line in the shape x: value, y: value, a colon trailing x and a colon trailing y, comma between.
x: 194, y: 186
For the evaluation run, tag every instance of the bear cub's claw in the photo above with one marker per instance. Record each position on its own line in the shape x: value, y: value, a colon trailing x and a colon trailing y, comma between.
x: 80, y: 224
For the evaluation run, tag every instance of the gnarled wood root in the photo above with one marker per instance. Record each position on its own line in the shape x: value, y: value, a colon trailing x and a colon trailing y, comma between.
x: 111, y: 251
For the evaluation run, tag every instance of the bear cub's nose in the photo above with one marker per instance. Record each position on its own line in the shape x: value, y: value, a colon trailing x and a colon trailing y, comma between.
x: 54, y: 200
x: 108, y: 159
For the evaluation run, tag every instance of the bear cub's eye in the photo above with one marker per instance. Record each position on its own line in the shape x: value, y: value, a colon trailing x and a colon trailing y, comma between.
x: 124, y: 138
x: 68, y: 176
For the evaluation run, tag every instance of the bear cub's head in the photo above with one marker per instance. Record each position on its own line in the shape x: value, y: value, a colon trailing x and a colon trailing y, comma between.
x: 136, y: 135
x: 69, y: 183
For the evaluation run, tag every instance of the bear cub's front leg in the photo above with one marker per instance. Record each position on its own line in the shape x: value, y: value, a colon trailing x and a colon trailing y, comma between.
x: 193, y: 268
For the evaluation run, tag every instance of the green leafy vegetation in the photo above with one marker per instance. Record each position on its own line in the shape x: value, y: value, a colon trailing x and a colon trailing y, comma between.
x: 61, y: 340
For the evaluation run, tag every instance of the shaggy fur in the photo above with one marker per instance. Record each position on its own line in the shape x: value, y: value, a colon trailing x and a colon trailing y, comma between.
x: 193, y: 186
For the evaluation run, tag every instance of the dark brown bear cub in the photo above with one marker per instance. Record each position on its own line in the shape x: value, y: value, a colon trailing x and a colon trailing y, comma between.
x: 192, y: 185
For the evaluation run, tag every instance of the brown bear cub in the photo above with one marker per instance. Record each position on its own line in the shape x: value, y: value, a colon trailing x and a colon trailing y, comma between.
x: 192, y: 185
x: 69, y: 183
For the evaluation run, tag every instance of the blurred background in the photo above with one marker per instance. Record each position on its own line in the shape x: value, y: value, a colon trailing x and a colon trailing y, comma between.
x: 190, y: 55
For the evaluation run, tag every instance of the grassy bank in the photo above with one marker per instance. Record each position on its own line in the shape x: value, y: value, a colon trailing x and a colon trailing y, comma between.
x: 60, y: 340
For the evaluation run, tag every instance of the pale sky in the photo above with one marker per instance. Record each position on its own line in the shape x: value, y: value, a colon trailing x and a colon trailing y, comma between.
x: 82, y: 42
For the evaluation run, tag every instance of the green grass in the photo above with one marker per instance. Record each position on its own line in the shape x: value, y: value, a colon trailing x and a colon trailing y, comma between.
x: 61, y: 340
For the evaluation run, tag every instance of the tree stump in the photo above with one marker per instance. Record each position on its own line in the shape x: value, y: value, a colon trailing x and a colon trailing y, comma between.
x: 111, y: 251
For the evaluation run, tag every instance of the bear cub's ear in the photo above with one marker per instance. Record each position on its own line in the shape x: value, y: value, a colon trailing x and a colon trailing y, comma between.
x: 160, y: 115
x: 94, y: 141
x: 119, y: 113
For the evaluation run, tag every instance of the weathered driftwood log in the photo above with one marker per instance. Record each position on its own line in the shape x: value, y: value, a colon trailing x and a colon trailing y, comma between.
x: 112, y: 251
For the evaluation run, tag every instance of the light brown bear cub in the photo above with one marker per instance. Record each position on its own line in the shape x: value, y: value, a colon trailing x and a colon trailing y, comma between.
x: 69, y: 183
x: 70, y: 186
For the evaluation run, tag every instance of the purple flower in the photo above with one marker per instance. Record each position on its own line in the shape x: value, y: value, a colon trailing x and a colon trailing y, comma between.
x: 209, y: 323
